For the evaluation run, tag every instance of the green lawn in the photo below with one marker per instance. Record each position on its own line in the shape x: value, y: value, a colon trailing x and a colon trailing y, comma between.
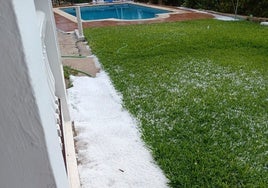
x: 200, y: 92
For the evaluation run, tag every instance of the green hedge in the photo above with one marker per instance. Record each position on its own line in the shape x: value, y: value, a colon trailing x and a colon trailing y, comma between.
x: 245, y: 7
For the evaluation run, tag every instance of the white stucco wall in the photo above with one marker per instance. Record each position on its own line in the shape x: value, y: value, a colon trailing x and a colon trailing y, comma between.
x: 30, y: 151
x: 54, y: 53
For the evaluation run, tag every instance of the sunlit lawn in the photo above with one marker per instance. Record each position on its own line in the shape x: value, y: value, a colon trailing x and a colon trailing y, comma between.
x: 200, y: 92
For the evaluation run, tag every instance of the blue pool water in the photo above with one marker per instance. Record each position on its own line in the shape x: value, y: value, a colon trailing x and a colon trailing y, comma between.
x: 117, y: 11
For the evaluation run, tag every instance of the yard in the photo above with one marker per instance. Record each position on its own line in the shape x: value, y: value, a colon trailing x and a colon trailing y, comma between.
x: 199, y: 90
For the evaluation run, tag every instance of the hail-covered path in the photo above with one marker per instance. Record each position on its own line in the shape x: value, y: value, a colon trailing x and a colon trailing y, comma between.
x: 110, y: 151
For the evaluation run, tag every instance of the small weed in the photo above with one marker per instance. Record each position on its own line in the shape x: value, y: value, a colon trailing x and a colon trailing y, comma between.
x: 68, y: 71
x: 71, y: 71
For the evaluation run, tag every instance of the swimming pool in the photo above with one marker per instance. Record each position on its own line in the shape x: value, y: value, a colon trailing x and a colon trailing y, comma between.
x: 126, y: 11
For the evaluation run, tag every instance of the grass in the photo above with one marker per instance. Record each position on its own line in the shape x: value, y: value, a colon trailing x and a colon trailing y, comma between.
x: 200, y: 92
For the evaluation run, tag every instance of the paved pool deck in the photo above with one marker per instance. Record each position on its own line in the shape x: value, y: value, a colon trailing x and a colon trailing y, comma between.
x: 65, y: 24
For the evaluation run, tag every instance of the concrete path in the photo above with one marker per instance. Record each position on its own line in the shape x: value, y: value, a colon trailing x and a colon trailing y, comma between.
x: 76, y: 54
x: 64, y: 24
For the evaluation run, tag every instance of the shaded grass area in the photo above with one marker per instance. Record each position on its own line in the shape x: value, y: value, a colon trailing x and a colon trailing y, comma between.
x: 200, y: 92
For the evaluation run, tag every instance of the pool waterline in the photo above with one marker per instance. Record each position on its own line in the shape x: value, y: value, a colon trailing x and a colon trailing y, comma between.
x: 160, y: 12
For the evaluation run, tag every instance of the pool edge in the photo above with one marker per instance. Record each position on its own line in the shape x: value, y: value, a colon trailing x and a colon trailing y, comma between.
x: 158, y: 16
